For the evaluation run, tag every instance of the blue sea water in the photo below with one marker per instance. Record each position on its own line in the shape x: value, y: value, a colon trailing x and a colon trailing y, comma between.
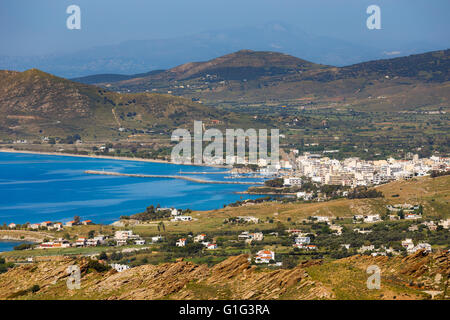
x: 9, y: 245
x: 36, y: 188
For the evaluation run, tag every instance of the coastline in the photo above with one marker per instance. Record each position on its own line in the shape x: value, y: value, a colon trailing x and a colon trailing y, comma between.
x: 265, y: 193
x: 94, y: 156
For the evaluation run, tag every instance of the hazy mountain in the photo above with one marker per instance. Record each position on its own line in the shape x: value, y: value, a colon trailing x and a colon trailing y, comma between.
x: 133, y: 57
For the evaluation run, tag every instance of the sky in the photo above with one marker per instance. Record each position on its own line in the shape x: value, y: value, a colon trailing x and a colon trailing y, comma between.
x: 39, y: 27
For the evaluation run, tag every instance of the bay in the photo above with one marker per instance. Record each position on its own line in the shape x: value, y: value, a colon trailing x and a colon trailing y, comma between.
x: 36, y: 188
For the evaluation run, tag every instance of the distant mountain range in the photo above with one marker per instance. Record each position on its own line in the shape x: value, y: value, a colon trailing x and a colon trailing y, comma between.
x: 269, y: 77
x: 34, y: 103
x: 132, y: 57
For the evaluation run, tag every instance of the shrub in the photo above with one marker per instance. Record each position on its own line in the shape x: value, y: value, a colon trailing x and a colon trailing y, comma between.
x: 97, y: 266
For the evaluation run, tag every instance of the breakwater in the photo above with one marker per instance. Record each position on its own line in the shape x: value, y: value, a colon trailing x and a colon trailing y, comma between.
x: 134, y: 175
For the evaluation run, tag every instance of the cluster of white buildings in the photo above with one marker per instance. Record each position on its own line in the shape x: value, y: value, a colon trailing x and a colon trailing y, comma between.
x: 200, y: 238
x: 49, y: 225
x: 408, y: 244
x: 371, y: 218
x: 80, y: 242
x: 249, y: 237
x: 355, y: 172
x: 123, y: 237
x: 301, y: 240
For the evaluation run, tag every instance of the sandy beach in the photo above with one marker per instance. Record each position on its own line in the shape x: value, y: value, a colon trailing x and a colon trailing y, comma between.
x: 94, y: 156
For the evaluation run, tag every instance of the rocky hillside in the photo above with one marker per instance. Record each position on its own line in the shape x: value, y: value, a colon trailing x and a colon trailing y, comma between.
x: 34, y: 103
x: 418, y: 276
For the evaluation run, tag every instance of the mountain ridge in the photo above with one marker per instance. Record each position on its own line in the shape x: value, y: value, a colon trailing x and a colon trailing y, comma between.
x: 257, y: 76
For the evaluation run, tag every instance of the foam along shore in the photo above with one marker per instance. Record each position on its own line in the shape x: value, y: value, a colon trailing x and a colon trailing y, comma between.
x: 107, y: 173
x: 94, y: 156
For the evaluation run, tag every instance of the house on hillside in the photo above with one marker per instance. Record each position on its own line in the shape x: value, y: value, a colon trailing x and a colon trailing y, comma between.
x: 119, y: 267
x: 81, y: 242
x: 372, y: 218
x: 200, y: 237
x: 181, y: 242
x: 46, y: 224
x: 157, y: 239
x: 264, y: 256
x: 182, y: 218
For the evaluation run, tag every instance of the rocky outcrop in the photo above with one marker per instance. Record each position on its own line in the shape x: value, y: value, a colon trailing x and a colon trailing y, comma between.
x: 420, y: 275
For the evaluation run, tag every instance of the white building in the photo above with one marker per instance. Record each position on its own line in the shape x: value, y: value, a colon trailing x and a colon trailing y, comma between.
x: 305, y: 195
x: 200, y: 237
x: 303, y: 240
x: 181, y: 242
x: 292, y: 181
x: 264, y: 256
x: 119, y: 267
x: 182, y: 218
x: 372, y: 218
x: 157, y: 239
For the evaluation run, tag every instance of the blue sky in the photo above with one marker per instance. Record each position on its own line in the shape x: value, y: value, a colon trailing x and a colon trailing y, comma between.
x: 39, y: 27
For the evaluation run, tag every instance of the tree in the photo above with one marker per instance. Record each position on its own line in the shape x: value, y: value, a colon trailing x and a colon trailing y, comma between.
x: 274, y: 183
x: 103, y: 256
x: 76, y: 219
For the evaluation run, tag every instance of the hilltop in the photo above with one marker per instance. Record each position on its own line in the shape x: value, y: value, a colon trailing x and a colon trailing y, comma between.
x: 251, y: 77
x: 34, y: 103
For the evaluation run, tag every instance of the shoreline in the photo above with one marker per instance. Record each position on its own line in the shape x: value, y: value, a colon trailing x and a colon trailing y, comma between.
x: 93, y: 156
x: 266, y: 193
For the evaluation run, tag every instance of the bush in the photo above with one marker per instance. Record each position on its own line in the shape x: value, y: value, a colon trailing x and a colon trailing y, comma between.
x: 274, y: 183
x: 103, y: 256
x: 35, y: 288
x: 97, y: 266
x: 23, y: 246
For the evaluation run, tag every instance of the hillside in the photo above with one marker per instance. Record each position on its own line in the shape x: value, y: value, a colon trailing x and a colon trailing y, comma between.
x: 34, y: 103
x: 247, y: 77
x: 412, y: 277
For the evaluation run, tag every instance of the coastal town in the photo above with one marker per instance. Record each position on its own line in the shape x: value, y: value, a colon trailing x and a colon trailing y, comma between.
x: 350, y: 172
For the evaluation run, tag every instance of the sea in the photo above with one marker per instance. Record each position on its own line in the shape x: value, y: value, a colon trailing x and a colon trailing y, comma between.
x: 36, y: 188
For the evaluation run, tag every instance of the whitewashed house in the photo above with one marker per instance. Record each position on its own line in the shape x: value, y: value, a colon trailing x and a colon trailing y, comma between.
x: 264, y: 256
x: 181, y: 242
x: 119, y: 267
